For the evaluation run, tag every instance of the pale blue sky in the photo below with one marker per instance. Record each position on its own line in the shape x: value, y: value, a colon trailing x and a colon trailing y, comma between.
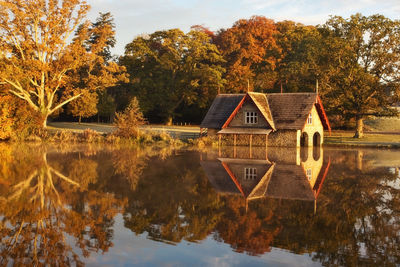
x: 134, y: 17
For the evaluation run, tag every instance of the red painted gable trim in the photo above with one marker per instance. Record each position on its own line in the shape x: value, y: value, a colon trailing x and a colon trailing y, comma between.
x: 233, y: 178
x: 319, y: 102
x: 235, y: 111
x: 323, y: 179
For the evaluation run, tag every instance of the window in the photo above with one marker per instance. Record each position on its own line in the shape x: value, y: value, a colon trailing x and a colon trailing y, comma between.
x: 250, y: 173
x: 309, y: 174
x: 250, y: 117
x: 309, y: 120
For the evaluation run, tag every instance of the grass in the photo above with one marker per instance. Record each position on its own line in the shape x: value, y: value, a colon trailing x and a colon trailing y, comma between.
x: 391, y: 124
x: 370, y: 139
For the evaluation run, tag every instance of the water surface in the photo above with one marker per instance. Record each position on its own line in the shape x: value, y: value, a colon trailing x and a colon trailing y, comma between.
x: 91, y: 206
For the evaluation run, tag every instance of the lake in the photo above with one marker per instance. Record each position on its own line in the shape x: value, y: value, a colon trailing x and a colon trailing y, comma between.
x: 234, y: 206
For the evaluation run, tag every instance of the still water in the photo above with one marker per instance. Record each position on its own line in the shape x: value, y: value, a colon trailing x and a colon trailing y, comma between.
x: 107, y: 206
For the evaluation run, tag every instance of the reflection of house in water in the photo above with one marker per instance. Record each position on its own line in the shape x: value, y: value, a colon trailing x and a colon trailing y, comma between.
x: 282, y: 174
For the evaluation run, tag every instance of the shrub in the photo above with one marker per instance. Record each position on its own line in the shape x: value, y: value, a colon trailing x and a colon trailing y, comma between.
x: 128, y: 122
x: 90, y: 136
x: 17, y: 119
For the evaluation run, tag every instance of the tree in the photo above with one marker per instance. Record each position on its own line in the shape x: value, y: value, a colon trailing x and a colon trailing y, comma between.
x: 106, y: 105
x: 362, y: 75
x: 17, y: 119
x: 98, y: 71
x: 128, y: 122
x: 171, y: 68
x: 85, y: 106
x: 34, y: 38
x: 249, y: 48
x: 299, y: 63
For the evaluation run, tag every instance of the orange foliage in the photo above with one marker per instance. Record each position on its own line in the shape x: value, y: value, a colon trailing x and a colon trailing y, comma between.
x: 17, y: 119
x: 247, y: 47
x: 245, y: 230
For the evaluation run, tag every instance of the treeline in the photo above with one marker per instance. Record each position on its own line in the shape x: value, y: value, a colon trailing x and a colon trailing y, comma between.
x: 353, y: 61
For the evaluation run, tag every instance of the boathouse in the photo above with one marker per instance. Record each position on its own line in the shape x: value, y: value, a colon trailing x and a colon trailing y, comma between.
x: 290, y: 119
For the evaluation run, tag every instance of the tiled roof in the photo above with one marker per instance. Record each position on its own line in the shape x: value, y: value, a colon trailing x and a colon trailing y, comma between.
x: 289, y: 182
x: 290, y: 110
x: 220, y: 110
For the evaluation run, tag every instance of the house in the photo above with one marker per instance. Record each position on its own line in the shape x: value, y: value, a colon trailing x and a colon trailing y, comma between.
x: 277, y: 176
x: 290, y: 119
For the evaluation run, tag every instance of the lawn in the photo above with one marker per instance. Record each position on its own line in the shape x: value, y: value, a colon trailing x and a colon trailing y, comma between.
x: 369, y: 139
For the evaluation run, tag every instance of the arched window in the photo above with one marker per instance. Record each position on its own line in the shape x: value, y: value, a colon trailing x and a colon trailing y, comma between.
x: 304, y: 139
x: 316, y: 139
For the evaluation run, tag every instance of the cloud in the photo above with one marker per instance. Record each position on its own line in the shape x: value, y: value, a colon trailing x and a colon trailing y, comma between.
x: 134, y: 17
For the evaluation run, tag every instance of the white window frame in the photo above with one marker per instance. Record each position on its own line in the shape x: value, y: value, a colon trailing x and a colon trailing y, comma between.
x: 250, y: 173
x: 250, y: 117
x: 309, y: 119
x: 309, y: 174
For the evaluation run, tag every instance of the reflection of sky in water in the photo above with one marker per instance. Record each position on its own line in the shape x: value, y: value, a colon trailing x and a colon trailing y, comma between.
x: 134, y: 249
x: 349, y: 208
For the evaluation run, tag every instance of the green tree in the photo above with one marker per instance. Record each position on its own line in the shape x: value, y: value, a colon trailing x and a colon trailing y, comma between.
x: 99, y: 71
x: 106, y: 105
x: 170, y: 68
x: 299, y: 64
x: 362, y: 75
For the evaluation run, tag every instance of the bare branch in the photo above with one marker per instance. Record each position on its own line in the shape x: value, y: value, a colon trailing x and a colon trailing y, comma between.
x: 63, y: 103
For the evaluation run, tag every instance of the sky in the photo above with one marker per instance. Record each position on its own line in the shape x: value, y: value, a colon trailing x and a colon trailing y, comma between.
x: 136, y: 17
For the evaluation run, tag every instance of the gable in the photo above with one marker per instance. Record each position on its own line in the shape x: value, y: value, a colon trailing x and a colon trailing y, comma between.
x: 254, y: 102
x: 239, y: 119
x: 316, y: 123
x: 220, y: 110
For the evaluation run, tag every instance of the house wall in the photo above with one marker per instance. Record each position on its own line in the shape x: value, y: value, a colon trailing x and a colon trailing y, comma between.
x: 284, y: 155
x: 238, y: 120
x: 315, y: 126
x: 212, y: 132
x: 313, y: 164
x: 284, y: 138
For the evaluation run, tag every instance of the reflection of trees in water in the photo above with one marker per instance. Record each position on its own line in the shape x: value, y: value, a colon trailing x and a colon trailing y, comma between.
x: 39, y: 209
x: 360, y: 214
x: 173, y: 201
x: 46, y: 197
x: 250, y: 231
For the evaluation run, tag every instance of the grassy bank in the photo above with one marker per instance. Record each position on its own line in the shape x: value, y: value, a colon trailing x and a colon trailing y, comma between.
x: 345, y: 138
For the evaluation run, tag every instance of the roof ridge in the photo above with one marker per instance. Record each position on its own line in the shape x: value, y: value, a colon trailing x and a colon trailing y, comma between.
x: 232, y: 94
x: 293, y: 93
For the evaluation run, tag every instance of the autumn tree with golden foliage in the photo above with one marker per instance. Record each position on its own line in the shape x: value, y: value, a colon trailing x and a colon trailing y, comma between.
x: 128, y: 122
x: 38, y: 57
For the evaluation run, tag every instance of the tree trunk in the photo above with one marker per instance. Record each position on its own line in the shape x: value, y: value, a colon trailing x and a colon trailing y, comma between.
x: 169, y: 121
x: 80, y: 119
x: 98, y: 118
x: 359, y: 128
x: 45, y: 122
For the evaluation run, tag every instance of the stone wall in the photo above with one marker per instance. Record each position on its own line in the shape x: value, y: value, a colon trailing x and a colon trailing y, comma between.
x: 243, y: 140
x: 212, y: 132
x: 284, y: 138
